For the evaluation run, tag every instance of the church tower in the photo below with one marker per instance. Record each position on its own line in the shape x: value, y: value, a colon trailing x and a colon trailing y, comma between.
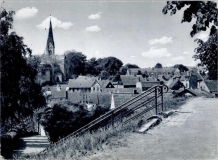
x: 50, y: 46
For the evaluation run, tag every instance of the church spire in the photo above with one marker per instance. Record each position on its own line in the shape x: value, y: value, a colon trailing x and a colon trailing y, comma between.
x: 50, y: 46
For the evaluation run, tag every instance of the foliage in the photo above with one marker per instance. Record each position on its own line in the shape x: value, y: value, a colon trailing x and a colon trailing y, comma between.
x: 207, y: 52
x: 123, y: 70
x: 109, y: 64
x: 145, y: 74
x: 139, y: 72
x: 20, y: 93
x: 74, y: 63
x: 65, y: 118
x: 158, y: 65
x: 205, y: 13
x: 90, y: 66
x: 181, y: 67
x: 128, y: 65
x: 104, y: 75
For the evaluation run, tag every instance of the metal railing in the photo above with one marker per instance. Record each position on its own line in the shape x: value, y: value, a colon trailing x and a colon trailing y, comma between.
x: 144, y: 98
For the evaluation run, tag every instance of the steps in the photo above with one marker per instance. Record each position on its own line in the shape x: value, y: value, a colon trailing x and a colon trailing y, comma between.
x: 33, y: 144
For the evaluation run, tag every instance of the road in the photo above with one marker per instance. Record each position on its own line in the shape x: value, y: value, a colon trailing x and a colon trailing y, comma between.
x: 190, y: 134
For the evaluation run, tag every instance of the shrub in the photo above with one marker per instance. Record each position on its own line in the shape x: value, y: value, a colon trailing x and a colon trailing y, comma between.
x: 62, y: 119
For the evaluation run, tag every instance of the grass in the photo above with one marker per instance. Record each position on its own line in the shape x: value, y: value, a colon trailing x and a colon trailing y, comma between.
x: 88, y: 143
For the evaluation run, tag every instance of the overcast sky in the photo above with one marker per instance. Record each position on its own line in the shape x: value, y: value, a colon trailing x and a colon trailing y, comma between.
x: 134, y: 32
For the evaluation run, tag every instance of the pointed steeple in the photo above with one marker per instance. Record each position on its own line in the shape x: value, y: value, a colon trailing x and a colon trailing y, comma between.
x: 50, y: 46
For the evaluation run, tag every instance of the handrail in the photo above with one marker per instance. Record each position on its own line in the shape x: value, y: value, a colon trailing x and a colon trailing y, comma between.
x: 106, y: 115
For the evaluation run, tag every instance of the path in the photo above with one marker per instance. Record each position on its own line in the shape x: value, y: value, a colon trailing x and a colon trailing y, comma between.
x: 33, y: 144
x: 191, y: 134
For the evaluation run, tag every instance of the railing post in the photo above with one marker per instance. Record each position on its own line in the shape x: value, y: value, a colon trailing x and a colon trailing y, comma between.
x: 156, y: 99
x: 162, y: 98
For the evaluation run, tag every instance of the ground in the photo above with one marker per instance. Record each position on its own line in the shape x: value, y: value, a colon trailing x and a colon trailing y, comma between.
x: 191, y: 133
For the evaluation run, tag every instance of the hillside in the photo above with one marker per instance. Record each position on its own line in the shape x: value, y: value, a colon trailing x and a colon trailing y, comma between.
x: 189, y: 134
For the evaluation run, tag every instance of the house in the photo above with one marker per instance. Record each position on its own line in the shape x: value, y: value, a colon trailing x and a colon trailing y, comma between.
x: 83, y: 85
x: 143, y: 86
x: 153, y: 72
x: 176, y: 85
x: 185, y: 80
x: 128, y: 81
x: 195, y: 79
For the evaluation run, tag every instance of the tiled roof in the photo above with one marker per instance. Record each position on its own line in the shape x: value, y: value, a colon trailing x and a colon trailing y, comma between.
x: 80, y: 83
x: 212, y: 85
x: 160, y: 70
x: 151, y: 79
x: 128, y: 79
x: 150, y: 84
x: 96, y: 98
x: 194, y: 72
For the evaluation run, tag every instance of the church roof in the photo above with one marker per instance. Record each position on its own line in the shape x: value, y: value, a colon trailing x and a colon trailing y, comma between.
x: 50, y: 36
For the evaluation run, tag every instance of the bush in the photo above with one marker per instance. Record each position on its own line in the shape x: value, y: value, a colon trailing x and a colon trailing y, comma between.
x: 62, y: 120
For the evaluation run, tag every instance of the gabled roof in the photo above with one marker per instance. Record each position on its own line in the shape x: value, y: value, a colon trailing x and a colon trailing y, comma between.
x: 151, y: 79
x: 176, y: 84
x: 150, y: 84
x: 212, y: 85
x: 150, y: 70
x: 195, y: 73
x: 80, y: 83
x: 128, y: 79
x: 104, y: 83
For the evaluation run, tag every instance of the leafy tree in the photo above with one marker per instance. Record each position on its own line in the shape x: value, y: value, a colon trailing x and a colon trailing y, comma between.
x: 20, y: 93
x: 158, y: 65
x: 66, y: 117
x: 128, y: 65
x: 139, y: 72
x: 123, y: 70
x: 104, y: 75
x: 205, y: 13
x: 109, y: 64
x: 74, y: 63
x: 181, y: 67
x: 145, y: 74
x: 90, y: 66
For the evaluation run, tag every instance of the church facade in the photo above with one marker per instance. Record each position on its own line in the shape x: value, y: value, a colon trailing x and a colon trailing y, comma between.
x: 52, y: 66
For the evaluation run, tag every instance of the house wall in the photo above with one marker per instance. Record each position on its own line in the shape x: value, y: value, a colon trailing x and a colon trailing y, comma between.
x: 96, y: 88
x: 58, y: 76
x: 47, y: 75
x: 139, y: 85
x: 185, y: 83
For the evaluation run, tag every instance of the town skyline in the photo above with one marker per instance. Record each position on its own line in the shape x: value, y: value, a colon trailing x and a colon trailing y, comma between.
x: 134, y: 32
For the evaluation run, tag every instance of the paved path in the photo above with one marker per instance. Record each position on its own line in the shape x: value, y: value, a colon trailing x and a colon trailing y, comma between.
x: 191, y: 134
x: 33, y: 144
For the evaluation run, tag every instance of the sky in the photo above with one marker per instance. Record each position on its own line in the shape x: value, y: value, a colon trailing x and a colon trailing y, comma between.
x: 135, y: 32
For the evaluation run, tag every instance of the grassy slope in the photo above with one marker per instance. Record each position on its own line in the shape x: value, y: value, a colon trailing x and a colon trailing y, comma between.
x: 88, y: 143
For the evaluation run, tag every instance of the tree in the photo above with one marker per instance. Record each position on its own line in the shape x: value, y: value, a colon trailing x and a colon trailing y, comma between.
x: 20, y: 93
x: 128, y: 65
x: 109, y: 64
x: 123, y: 70
x: 139, y: 72
x: 181, y: 67
x: 104, y: 75
x: 145, y: 74
x: 90, y: 66
x: 158, y: 65
x: 205, y: 13
x: 74, y: 63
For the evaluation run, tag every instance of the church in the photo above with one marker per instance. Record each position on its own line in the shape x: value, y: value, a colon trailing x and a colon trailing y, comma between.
x: 52, y: 66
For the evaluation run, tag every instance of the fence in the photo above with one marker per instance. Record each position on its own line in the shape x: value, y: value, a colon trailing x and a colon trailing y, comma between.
x: 141, y: 100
